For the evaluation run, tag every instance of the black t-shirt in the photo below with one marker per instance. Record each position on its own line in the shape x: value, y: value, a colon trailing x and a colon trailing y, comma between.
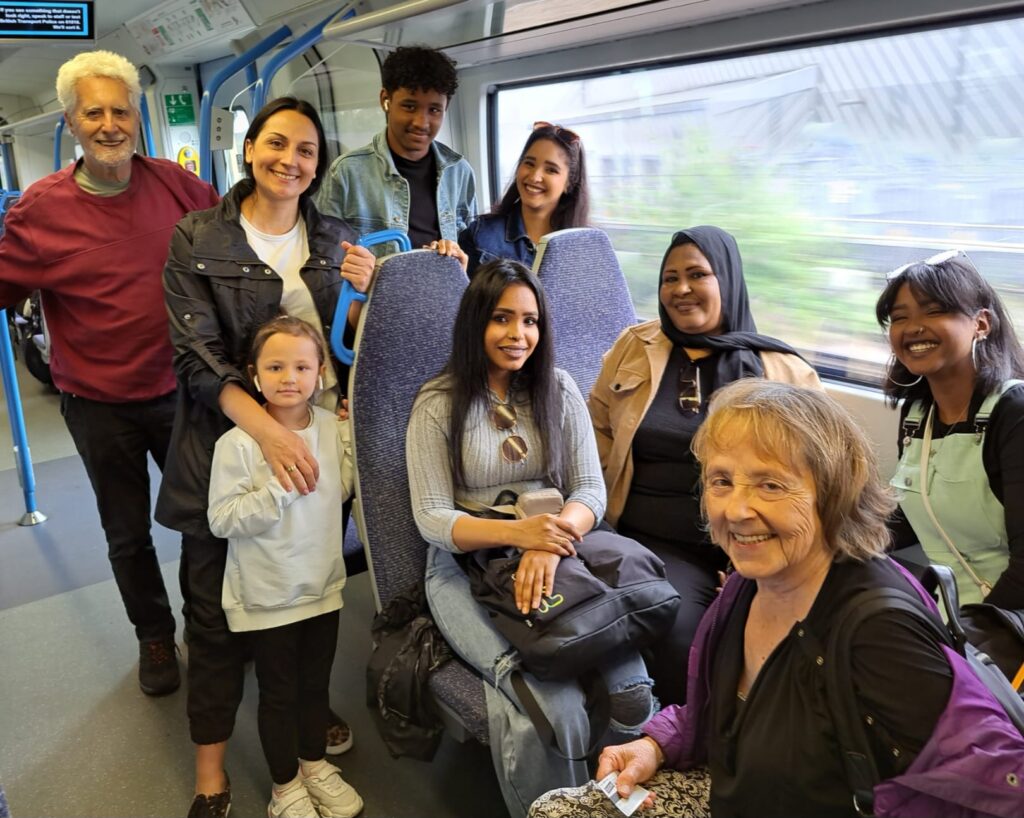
x: 421, y: 175
x: 663, y: 506
x: 776, y: 754
x: 1002, y: 455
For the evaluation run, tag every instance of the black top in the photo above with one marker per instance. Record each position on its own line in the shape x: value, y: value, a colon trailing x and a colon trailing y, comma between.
x: 663, y: 506
x: 421, y: 175
x: 776, y: 754
x: 1002, y: 454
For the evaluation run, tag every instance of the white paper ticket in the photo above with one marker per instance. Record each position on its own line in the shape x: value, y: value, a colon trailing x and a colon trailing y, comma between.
x: 627, y: 806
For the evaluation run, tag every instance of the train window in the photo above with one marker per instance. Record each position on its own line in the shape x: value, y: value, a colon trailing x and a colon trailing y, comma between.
x: 343, y: 81
x: 831, y: 164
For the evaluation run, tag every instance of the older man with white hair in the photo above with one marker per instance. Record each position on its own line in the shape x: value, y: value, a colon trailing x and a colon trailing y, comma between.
x: 93, y: 239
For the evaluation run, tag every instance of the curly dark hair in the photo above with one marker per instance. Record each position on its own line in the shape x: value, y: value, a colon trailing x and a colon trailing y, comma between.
x: 419, y: 68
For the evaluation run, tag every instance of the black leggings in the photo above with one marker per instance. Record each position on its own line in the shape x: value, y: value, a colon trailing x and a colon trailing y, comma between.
x: 293, y: 668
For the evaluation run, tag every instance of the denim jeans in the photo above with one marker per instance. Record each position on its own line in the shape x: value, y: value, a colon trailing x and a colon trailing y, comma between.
x: 525, y: 766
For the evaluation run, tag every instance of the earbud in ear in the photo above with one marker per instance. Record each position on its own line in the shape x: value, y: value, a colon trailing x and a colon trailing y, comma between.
x: 387, y: 104
x: 320, y: 383
x: 256, y: 383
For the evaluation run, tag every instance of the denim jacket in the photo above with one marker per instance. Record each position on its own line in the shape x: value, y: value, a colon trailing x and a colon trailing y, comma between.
x: 493, y: 236
x: 364, y: 188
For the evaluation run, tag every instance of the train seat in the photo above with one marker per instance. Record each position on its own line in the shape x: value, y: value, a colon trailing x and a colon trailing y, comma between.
x: 587, y: 296
x: 403, y: 340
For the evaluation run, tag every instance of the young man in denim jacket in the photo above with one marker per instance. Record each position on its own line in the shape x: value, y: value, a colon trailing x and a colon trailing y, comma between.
x: 403, y: 179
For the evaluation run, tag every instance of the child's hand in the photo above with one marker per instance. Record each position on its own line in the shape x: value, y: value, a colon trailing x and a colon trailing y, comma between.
x: 342, y: 410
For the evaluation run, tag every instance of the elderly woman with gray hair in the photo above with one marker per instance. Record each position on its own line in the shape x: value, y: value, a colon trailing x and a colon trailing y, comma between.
x: 792, y: 496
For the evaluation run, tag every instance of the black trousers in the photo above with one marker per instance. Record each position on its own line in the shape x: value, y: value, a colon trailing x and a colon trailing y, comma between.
x: 293, y: 667
x: 695, y: 580
x: 216, y: 656
x: 113, y: 440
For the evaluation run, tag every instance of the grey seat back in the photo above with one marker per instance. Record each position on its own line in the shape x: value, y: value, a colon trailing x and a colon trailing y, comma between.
x: 588, y: 298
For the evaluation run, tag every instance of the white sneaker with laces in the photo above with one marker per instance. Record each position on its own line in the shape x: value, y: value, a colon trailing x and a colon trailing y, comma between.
x: 292, y: 802
x: 330, y: 793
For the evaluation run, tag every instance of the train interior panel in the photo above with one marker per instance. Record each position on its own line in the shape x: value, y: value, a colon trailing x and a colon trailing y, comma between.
x: 835, y: 139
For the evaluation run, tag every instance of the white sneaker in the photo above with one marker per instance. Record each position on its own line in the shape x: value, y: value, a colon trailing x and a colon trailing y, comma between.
x: 330, y: 793
x: 293, y: 802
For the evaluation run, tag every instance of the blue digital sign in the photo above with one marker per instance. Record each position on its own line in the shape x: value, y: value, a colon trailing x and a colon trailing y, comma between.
x: 25, y: 21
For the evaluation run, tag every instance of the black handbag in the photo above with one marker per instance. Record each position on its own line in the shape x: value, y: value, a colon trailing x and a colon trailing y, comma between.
x: 613, y: 595
x: 998, y: 632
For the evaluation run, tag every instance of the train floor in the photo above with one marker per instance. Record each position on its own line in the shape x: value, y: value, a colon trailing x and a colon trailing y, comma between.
x: 78, y: 737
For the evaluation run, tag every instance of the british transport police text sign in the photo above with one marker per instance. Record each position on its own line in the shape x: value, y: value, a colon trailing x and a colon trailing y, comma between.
x: 25, y: 21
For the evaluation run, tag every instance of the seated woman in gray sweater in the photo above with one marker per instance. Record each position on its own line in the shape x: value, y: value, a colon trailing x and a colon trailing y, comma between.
x: 500, y: 416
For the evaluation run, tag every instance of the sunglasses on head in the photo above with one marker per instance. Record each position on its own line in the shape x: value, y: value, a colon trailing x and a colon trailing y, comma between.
x: 564, y: 133
x: 513, y: 448
x: 689, y: 389
x: 938, y: 258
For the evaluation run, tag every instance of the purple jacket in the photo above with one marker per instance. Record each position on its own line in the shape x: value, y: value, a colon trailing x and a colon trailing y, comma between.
x: 972, y: 765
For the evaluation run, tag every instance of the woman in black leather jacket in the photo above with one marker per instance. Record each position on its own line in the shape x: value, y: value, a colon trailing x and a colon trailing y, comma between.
x: 219, y: 290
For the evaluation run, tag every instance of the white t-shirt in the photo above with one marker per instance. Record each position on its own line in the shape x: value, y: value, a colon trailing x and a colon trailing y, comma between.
x: 286, y: 254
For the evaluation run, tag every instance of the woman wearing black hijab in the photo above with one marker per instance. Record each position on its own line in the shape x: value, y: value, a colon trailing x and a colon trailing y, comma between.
x: 648, y: 402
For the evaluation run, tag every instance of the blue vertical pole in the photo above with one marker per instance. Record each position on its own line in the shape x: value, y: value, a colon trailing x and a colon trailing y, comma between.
x: 251, y: 76
x: 26, y: 477
x: 58, y: 132
x: 147, y: 126
x: 12, y: 173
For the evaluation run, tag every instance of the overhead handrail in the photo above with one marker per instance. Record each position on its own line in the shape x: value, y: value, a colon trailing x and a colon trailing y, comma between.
x: 402, y: 11
x: 244, y: 59
x: 22, y: 456
x: 289, y: 52
x: 349, y: 294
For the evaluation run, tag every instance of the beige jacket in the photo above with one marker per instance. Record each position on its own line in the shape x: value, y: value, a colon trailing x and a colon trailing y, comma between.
x: 624, y: 390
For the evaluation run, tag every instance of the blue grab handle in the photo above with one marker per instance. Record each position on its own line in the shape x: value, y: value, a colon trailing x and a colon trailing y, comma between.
x: 349, y: 294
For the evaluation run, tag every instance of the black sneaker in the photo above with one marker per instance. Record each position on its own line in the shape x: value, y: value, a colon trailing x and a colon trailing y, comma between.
x: 217, y: 805
x: 158, y: 667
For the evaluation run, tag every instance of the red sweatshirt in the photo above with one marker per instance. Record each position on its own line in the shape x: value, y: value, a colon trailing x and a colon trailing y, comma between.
x: 99, y: 261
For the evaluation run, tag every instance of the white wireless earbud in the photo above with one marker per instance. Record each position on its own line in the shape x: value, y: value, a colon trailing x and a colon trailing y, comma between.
x: 256, y: 383
x: 387, y: 104
x: 320, y: 383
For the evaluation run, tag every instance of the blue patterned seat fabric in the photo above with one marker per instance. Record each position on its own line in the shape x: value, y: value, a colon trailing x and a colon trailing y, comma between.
x: 588, y: 297
x: 404, y: 340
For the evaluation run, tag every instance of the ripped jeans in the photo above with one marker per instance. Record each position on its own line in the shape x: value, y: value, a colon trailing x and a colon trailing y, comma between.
x: 525, y: 766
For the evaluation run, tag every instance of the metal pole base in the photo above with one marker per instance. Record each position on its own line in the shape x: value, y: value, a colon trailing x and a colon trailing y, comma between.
x: 32, y: 518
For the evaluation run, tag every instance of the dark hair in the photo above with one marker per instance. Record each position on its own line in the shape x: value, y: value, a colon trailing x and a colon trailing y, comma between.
x: 308, y: 111
x: 956, y: 286
x: 287, y: 325
x: 573, y: 209
x: 467, y: 366
x: 419, y: 69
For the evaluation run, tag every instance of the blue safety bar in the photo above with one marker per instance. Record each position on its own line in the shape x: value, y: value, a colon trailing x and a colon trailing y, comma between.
x: 206, y: 104
x: 147, y: 126
x: 26, y: 477
x: 58, y: 132
x: 289, y: 52
x: 349, y: 294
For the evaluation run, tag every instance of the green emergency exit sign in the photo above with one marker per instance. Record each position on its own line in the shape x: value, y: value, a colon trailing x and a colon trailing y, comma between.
x: 180, y: 110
